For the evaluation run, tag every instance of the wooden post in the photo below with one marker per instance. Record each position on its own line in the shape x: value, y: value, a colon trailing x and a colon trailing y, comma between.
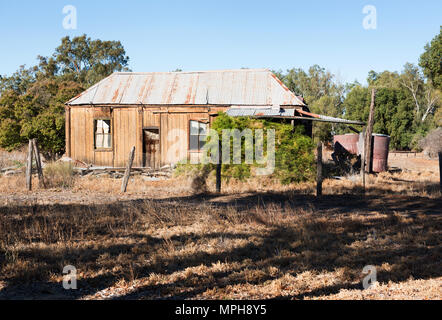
x: 128, y: 168
x: 29, y: 166
x: 361, y: 145
x: 369, y: 134
x: 319, y: 170
x: 440, y: 171
x: 363, y: 171
x: 140, y: 136
x: 38, y: 163
x: 218, y: 170
x: 68, y: 130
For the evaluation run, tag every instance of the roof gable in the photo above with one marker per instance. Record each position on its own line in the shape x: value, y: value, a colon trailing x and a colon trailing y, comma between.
x: 257, y: 87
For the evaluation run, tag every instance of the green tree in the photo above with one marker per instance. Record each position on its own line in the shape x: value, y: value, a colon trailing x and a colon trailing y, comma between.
x: 84, y: 60
x: 327, y: 105
x: 294, y: 159
x: 385, y: 79
x: 424, y: 96
x: 32, y: 100
x: 431, y: 61
x: 9, y: 126
x: 19, y: 81
x: 39, y: 113
x: 356, y: 102
x: 321, y: 91
x: 394, y: 113
x: 313, y: 84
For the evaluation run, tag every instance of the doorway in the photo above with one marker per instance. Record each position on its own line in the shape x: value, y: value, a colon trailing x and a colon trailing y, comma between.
x: 151, y: 147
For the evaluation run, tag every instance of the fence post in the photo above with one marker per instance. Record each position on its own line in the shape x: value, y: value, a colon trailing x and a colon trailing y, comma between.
x: 29, y: 167
x: 362, y: 145
x: 128, y: 168
x: 38, y: 163
x: 319, y: 170
x: 369, y: 134
x: 218, y: 169
x: 440, y: 171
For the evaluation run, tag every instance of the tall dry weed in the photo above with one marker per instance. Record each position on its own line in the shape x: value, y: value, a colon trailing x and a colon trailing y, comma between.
x: 59, y: 175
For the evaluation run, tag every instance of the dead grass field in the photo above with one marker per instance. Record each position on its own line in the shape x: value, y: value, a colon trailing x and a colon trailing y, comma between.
x: 162, y: 240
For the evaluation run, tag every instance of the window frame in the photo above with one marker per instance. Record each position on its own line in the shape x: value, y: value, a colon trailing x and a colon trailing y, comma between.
x: 104, y: 134
x: 199, y: 135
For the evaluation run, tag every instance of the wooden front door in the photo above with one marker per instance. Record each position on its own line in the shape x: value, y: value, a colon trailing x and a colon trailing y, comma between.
x: 151, y: 148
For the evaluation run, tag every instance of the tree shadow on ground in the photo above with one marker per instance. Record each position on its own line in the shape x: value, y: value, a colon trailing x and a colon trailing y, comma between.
x: 330, y: 238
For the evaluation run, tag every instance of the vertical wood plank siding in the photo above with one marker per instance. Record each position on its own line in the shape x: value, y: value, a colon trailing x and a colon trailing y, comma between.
x: 68, y: 130
x: 127, y: 125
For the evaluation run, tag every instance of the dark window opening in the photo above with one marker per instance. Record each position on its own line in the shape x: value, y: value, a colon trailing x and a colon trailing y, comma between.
x: 103, y: 134
x: 198, y: 134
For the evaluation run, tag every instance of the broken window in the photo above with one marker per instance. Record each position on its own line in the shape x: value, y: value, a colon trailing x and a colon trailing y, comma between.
x: 198, y: 133
x: 103, y: 135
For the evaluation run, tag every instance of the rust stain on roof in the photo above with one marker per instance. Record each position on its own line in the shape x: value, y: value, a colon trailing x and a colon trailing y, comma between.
x: 173, y: 89
x: 196, y: 86
x: 115, y: 96
x: 143, y: 89
x: 189, y: 92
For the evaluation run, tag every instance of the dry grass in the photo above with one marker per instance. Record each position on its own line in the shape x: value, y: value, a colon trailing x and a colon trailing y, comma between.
x: 161, y: 240
x: 59, y: 175
x: 59, y: 178
x: 10, y: 159
x: 407, y: 290
x: 252, y: 245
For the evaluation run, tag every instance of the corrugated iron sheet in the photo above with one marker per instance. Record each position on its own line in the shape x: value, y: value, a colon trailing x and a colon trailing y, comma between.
x: 245, y: 87
x: 288, y: 113
x: 337, y: 120
x: 260, y: 112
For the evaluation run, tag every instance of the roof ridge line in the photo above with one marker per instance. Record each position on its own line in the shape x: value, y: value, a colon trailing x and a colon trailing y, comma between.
x: 184, y: 72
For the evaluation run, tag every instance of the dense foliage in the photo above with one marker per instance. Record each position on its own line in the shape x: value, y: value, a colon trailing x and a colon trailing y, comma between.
x: 407, y: 102
x: 431, y: 61
x: 38, y: 113
x: 32, y: 99
x: 320, y: 91
x: 294, y: 158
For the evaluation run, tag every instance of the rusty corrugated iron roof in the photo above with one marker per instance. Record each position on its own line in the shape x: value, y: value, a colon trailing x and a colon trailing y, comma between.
x: 245, y: 87
x: 259, y: 112
x: 266, y: 112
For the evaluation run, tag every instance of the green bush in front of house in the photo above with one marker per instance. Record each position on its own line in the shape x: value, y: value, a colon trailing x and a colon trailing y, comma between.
x: 294, y: 158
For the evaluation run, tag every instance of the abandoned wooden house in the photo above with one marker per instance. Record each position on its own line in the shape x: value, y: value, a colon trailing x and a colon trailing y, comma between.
x: 166, y: 115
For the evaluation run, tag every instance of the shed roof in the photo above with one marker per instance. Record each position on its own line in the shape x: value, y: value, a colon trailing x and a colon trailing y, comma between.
x: 259, y: 112
x: 263, y: 112
x: 244, y: 87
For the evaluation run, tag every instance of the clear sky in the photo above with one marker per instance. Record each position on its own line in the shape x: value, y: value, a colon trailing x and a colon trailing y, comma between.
x: 208, y: 35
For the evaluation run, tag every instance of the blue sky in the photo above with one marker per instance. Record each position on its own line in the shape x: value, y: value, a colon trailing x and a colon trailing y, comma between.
x: 208, y: 35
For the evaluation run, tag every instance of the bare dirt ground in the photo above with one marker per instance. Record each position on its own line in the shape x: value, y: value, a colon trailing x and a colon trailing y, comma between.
x: 161, y: 240
x: 414, y: 162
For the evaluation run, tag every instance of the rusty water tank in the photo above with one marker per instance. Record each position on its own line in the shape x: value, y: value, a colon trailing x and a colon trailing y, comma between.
x: 381, y: 145
x: 348, y: 141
